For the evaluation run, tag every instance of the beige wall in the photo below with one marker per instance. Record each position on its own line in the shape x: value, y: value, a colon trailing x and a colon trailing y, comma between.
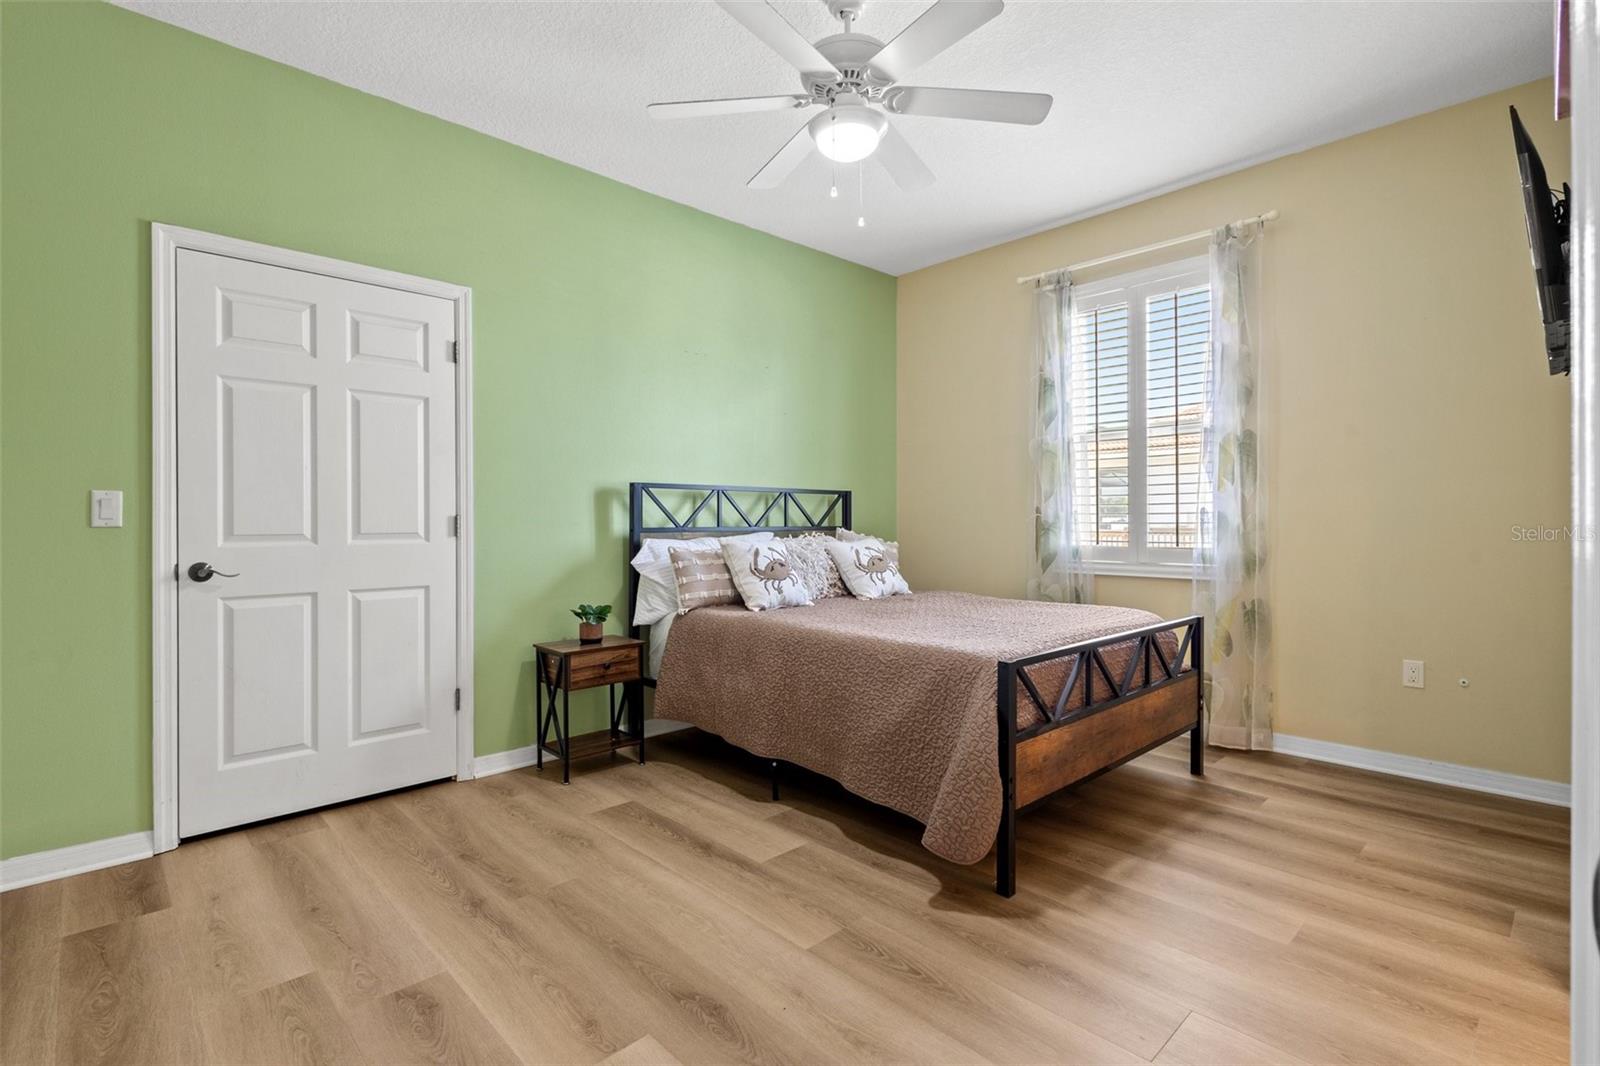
x: 1413, y: 427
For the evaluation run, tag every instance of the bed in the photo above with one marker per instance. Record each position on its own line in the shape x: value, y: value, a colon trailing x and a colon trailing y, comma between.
x: 958, y: 710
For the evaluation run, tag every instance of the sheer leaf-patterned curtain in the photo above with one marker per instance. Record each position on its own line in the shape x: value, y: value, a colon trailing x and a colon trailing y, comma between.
x: 1233, y: 563
x: 1059, y: 571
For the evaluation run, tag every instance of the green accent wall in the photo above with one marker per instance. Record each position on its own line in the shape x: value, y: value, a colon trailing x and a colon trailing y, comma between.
x: 618, y: 336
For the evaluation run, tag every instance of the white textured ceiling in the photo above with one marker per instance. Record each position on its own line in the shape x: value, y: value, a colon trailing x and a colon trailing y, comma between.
x: 1148, y: 95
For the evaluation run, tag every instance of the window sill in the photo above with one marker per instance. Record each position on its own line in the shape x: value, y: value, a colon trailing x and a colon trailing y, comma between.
x: 1169, y: 571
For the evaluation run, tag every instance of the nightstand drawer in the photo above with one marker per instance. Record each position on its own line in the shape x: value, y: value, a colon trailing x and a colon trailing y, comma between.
x: 602, y: 666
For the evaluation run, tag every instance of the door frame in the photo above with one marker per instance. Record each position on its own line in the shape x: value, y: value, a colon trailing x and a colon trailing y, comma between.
x: 1585, y: 281
x: 165, y: 243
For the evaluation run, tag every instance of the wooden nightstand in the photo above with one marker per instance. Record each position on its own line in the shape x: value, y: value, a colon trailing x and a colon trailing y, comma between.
x: 567, y: 666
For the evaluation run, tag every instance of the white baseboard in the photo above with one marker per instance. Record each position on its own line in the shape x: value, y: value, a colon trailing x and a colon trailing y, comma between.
x: 517, y: 758
x: 502, y: 761
x: 24, y: 870
x: 1440, y: 773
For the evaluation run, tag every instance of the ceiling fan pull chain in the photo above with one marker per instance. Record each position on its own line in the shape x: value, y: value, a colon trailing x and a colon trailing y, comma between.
x: 861, y: 193
x: 833, y: 190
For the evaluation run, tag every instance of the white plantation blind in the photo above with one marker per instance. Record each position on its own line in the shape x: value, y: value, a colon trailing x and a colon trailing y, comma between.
x: 1141, y: 363
x: 1177, y: 370
x: 1101, y: 434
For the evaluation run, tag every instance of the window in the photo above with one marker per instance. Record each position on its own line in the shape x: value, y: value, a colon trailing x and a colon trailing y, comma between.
x: 1141, y: 351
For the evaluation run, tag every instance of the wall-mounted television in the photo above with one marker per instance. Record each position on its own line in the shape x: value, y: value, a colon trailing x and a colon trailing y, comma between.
x: 1548, y: 240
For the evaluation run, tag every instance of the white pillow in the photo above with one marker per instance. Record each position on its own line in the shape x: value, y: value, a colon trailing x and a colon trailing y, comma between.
x: 869, y: 571
x: 850, y: 536
x: 809, y: 554
x: 658, y: 585
x: 765, y: 575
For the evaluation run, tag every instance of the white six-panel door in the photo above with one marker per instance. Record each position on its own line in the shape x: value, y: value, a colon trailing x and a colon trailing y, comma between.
x: 316, y: 461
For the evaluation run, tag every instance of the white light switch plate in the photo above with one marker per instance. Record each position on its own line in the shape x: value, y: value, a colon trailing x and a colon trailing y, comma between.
x: 105, y: 507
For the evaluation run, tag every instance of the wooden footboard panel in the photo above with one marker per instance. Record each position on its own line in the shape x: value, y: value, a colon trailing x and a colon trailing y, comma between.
x: 1080, y: 749
x: 1153, y: 698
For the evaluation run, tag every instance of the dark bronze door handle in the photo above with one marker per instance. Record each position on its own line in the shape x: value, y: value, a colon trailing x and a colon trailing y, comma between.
x: 204, y: 572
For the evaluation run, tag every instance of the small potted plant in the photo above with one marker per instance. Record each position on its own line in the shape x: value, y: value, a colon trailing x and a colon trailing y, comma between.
x: 592, y: 622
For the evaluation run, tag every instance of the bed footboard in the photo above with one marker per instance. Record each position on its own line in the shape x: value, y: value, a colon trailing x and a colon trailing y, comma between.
x: 1155, y: 698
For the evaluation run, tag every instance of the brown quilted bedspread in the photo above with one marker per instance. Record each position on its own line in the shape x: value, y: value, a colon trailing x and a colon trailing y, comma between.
x: 893, y: 698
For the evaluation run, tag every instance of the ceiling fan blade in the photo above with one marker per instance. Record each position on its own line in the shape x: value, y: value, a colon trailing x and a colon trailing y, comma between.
x: 782, y: 165
x: 763, y: 21
x: 984, y: 105
x: 902, y: 162
x: 936, y: 29
x: 735, y: 106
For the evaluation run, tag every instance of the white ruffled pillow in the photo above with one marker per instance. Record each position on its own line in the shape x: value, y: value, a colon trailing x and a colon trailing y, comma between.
x: 869, y: 571
x: 765, y: 575
x: 658, y: 584
x: 809, y: 554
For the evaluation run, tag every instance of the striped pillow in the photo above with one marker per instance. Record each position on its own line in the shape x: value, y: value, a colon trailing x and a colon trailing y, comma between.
x: 703, y: 578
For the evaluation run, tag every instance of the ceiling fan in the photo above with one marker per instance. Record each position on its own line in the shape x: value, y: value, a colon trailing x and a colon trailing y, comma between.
x: 856, y: 78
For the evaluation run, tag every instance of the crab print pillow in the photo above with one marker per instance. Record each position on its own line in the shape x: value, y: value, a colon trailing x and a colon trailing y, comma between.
x: 869, y: 569
x: 765, y: 575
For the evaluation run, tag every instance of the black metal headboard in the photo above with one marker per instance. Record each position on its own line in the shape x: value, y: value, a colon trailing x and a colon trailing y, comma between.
x: 725, y: 511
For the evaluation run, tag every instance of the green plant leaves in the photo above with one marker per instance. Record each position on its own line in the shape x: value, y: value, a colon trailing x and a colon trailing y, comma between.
x: 589, y: 612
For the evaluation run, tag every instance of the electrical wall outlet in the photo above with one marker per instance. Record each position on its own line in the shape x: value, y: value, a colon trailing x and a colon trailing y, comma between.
x: 1411, y: 673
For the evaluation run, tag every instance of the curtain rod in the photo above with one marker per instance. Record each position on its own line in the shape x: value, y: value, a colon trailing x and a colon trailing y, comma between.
x: 1156, y: 247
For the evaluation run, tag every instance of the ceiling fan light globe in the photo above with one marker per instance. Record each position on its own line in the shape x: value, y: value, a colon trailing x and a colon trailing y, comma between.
x: 848, y: 133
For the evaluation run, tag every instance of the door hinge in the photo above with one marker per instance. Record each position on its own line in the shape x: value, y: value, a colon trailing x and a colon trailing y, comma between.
x: 454, y: 352
x: 458, y: 699
x: 455, y: 525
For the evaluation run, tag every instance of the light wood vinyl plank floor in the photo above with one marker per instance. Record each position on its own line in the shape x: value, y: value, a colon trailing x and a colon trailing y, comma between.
x: 1277, y: 911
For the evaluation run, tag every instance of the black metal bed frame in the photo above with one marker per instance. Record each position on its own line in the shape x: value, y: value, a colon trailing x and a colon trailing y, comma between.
x: 1150, y: 669
x: 785, y: 502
